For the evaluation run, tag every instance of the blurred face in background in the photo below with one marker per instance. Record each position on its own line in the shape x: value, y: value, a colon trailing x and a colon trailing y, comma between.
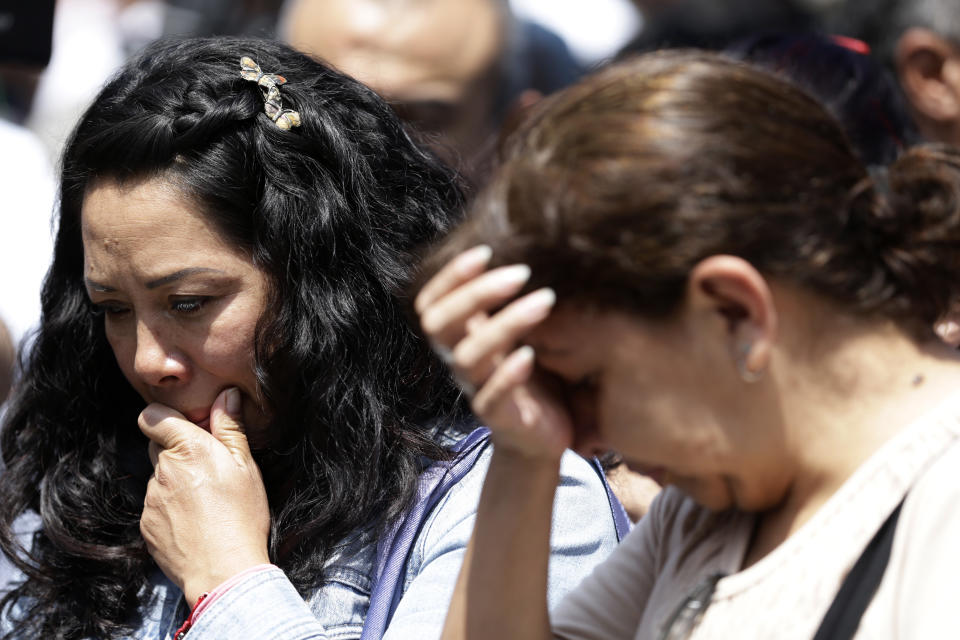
x: 435, y: 61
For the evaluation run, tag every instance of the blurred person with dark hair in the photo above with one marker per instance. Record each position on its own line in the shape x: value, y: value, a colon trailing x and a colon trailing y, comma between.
x: 840, y: 73
x: 920, y: 41
x: 860, y: 92
x: 715, y: 24
x: 220, y: 17
x: 455, y: 69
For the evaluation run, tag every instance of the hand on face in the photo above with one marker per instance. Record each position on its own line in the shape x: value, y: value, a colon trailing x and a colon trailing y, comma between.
x: 205, y: 515
x: 524, y: 414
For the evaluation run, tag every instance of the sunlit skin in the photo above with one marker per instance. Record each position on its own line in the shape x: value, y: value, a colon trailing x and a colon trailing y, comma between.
x: 180, y: 304
x: 681, y: 424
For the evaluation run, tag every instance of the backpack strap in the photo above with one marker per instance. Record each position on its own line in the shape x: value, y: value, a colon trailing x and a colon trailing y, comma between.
x: 393, y: 548
x: 860, y: 585
x: 621, y: 522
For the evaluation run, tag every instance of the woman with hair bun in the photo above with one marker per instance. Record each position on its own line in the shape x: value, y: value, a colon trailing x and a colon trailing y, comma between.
x: 238, y: 226
x: 721, y: 292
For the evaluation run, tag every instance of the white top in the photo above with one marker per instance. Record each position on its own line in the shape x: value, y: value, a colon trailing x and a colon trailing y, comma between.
x: 786, y: 594
x: 26, y: 240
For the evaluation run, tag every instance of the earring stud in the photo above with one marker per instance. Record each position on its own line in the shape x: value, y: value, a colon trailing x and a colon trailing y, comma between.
x: 747, y: 374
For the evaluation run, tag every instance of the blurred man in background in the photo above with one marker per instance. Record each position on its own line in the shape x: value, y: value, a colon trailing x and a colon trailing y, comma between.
x: 453, y: 68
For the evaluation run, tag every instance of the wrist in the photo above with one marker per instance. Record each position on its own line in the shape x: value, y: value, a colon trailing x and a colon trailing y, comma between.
x: 194, y: 586
x: 532, y: 472
x: 527, y: 463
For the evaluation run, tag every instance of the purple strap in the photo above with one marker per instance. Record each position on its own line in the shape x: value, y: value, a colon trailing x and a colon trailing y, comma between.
x: 394, y: 547
x: 621, y: 522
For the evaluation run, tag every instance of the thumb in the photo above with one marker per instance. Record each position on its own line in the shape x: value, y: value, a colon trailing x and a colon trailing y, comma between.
x: 166, y: 427
x: 226, y: 422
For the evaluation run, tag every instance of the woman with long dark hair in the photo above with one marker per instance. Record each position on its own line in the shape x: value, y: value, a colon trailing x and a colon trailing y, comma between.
x: 237, y: 226
x: 722, y: 292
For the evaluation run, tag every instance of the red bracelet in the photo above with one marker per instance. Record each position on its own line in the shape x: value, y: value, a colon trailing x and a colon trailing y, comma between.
x: 182, y: 631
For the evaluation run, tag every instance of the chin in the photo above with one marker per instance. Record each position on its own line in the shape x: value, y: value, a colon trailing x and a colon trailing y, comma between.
x: 711, y: 493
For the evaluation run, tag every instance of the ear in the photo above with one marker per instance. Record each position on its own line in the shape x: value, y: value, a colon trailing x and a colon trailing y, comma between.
x: 928, y: 67
x: 732, y: 291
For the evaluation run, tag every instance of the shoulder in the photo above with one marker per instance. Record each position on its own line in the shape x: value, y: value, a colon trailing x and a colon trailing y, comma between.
x: 930, y: 507
x: 582, y: 533
x: 580, y: 498
x: 917, y: 595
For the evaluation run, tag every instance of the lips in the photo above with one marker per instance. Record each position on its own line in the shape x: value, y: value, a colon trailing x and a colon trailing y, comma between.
x: 199, y: 418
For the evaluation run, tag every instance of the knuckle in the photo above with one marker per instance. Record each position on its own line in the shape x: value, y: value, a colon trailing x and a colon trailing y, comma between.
x: 160, y: 479
x: 466, y: 356
x: 432, y: 321
x: 191, y: 448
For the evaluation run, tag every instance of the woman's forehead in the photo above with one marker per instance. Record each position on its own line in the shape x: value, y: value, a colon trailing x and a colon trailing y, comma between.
x: 149, y: 217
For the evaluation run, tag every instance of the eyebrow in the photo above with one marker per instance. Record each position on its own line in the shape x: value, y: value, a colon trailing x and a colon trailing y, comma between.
x: 159, y: 282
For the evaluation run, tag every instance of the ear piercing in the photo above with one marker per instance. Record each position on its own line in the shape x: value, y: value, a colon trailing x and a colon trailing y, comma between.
x: 747, y: 374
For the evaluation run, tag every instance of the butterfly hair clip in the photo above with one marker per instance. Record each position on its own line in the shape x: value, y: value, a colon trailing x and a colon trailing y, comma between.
x: 269, y: 84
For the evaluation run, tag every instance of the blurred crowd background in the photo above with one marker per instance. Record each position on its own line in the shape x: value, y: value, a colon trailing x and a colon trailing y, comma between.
x: 459, y: 71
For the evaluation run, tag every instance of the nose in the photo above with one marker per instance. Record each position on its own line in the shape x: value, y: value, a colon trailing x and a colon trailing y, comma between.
x: 157, y: 361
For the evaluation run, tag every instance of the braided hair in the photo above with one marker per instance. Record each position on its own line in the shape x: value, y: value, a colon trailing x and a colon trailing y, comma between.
x: 334, y: 213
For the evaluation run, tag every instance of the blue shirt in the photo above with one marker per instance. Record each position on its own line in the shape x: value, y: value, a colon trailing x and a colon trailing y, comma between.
x: 266, y: 606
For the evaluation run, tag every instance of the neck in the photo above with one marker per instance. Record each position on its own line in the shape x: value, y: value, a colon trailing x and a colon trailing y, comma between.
x: 843, y: 403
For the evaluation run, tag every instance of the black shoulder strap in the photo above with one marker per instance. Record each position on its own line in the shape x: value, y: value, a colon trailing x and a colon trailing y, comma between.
x: 861, y: 583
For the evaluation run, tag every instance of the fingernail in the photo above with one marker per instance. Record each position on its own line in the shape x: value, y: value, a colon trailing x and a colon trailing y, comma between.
x: 151, y: 414
x: 474, y: 258
x: 233, y: 402
x: 522, y: 357
x: 538, y: 304
x: 510, y: 277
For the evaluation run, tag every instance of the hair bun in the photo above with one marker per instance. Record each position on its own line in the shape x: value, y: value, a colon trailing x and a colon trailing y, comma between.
x: 910, y: 213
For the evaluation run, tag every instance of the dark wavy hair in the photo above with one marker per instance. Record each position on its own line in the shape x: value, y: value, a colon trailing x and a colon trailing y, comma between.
x: 334, y: 212
x: 614, y: 189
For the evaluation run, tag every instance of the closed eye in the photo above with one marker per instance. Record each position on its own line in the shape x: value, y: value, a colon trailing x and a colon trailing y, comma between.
x: 586, y: 383
x: 112, y: 309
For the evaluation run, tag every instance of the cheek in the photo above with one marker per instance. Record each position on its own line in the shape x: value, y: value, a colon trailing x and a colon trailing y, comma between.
x: 124, y: 352
x: 228, y: 348
x: 660, y: 427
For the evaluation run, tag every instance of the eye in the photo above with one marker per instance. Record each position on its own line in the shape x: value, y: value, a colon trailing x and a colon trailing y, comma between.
x: 113, y: 310
x: 188, y: 306
x: 588, y: 382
